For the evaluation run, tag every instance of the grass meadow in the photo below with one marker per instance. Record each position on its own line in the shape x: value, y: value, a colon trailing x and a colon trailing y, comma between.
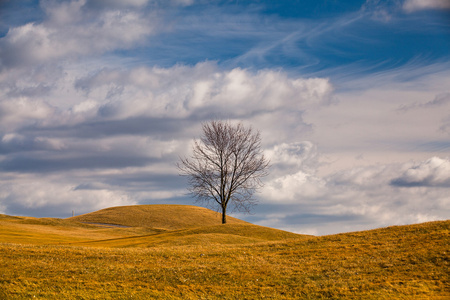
x: 65, y: 259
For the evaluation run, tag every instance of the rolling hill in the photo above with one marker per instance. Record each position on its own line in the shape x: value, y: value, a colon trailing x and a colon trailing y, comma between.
x: 138, y: 226
x: 196, y: 258
x: 164, y: 217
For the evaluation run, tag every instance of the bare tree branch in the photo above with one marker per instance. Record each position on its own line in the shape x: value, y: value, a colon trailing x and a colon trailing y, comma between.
x: 226, y: 166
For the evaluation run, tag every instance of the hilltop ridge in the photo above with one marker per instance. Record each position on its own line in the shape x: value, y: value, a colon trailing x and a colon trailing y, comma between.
x: 157, y: 216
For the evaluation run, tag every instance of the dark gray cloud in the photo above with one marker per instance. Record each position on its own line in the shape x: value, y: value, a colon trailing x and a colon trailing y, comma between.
x: 115, y: 4
x: 135, y: 182
x: 18, y: 143
x: 35, y: 91
x: 433, y: 146
x: 302, y: 219
x: 159, y: 128
x: 439, y: 100
x: 53, y: 210
x: 23, y: 163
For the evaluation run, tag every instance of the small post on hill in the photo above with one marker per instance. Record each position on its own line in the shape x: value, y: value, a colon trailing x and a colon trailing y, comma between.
x: 72, y: 213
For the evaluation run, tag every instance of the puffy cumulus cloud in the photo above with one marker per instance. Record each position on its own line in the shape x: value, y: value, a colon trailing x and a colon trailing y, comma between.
x: 69, y: 30
x: 203, y: 90
x: 432, y: 172
x: 294, y: 188
x: 292, y: 176
x: 163, y: 101
x: 415, y: 5
x: 113, y: 134
x: 36, y: 82
x: 30, y: 193
x: 363, y: 177
x: 85, y: 190
x: 23, y: 111
x: 295, y: 155
x: 356, y: 199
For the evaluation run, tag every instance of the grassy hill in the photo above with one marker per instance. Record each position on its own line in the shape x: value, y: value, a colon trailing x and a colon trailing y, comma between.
x: 145, y: 226
x: 165, y: 217
x: 208, y: 235
x: 234, y: 261
x: 28, y: 230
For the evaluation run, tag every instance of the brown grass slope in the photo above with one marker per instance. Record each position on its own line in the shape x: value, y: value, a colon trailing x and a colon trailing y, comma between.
x: 228, y: 234
x: 161, y: 216
x: 149, y: 226
x: 399, y: 262
x: 28, y: 230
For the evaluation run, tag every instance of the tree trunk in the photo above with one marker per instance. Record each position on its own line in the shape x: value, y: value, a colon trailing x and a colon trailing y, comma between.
x: 224, y: 216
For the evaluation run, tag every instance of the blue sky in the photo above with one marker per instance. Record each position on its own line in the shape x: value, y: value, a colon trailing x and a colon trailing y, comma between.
x: 98, y: 99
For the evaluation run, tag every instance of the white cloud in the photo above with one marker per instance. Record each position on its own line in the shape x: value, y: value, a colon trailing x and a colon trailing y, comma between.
x: 433, y: 172
x: 69, y: 32
x: 23, y: 111
x: 181, y: 90
x: 362, y: 177
x: 294, y: 188
x: 415, y: 5
x: 292, y: 178
x: 81, y: 129
x: 376, y: 121
x: 295, y: 155
x: 358, y: 198
x: 40, y: 192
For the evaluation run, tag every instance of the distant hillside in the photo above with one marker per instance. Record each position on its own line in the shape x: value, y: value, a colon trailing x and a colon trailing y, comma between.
x: 145, y: 226
x: 166, y: 217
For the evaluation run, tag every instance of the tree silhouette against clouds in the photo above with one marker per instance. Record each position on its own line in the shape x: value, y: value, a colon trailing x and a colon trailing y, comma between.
x: 226, y: 166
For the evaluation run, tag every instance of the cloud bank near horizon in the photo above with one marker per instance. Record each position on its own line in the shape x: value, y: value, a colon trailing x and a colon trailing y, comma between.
x: 98, y: 99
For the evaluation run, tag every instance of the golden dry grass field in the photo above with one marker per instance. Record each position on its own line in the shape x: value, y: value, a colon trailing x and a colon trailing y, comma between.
x: 183, y: 252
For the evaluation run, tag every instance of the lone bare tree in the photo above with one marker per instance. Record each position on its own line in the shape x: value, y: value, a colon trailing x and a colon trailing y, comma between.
x: 226, y: 166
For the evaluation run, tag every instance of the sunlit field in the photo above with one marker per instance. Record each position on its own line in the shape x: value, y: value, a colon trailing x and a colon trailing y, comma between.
x: 66, y: 259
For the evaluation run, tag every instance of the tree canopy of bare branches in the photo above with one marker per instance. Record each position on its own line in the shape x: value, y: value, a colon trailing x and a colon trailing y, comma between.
x: 226, y: 166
